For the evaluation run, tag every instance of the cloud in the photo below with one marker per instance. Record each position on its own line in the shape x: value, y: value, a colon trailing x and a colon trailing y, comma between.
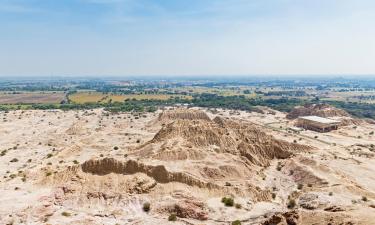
x: 12, y: 7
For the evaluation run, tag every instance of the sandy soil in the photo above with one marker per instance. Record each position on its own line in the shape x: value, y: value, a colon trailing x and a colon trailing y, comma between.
x: 72, y: 168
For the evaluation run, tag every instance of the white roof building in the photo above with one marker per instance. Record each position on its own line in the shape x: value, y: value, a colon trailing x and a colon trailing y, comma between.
x: 317, y: 123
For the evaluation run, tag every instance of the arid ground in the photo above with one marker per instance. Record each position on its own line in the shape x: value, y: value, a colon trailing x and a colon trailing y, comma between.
x: 195, y: 166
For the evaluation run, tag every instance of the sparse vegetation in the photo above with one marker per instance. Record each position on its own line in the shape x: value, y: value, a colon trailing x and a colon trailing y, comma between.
x: 3, y: 152
x: 238, y: 206
x: 291, y: 204
x: 172, y: 217
x: 236, y: 222
x: 66, y: 214
x: 228, y: 201
x: 14, y: 160
x: 146, y: 206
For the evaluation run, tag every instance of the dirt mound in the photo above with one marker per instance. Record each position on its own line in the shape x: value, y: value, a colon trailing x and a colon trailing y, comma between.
x: 322, y: 110
x: 159, y: 173
x: 185, y: 114
x: 222, y: 136
x: 303, y: 174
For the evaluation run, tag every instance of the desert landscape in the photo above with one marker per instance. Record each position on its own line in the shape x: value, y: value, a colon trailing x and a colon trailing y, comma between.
x: 199, y: 112
x: 183, y: 166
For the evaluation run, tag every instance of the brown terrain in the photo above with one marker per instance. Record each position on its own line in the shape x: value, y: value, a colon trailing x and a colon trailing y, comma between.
x: 326, y: 111
x: 322, y: 110
x: 192, y: 165
x: 31, y: 97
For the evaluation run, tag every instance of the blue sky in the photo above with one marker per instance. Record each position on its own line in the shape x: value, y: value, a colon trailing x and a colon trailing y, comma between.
x: 195, y: 37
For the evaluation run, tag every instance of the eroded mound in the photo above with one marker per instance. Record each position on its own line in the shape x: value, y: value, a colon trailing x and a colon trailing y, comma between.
x: 243, y: 140
x: 185, y: 114
x: 322, y: 110
x: 158, y: 173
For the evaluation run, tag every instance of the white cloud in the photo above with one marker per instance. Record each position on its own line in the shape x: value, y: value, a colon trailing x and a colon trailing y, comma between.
x: 13, y: 7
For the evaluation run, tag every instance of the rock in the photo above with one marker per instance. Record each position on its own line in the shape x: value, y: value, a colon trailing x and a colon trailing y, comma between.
x: 287, y: 218
x: 334, y: 209
x: 309, y: 201
x: 190, y: 209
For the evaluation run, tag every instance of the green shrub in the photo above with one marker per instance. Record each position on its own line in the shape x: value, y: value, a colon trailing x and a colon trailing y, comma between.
x: 236, y: 222
x: 14, y: 160
x: 172, y: 217
x: 291, y: 204
x: 146, y: 206
x: 228, y: 201
x: 3, y: 152
x: 65, y: 214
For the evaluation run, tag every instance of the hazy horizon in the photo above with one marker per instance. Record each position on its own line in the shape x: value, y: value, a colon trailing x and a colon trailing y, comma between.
x: 198, y: 38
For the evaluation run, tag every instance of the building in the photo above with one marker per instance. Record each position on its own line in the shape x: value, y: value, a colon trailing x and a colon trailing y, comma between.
x: 317, y: 123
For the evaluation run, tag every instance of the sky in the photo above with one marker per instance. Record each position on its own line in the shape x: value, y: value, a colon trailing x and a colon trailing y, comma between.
x: 186, y: 37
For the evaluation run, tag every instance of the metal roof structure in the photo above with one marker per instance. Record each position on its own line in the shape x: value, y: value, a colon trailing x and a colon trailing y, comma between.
x: 319, y: 119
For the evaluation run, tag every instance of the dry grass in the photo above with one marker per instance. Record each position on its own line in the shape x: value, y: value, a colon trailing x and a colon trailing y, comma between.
x: 32, y: 97
x: 92, y: 97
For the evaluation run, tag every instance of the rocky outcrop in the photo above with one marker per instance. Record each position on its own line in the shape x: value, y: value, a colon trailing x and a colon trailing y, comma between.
x: 287, y: 218
x: 159, y: 173
x: 190, y: 209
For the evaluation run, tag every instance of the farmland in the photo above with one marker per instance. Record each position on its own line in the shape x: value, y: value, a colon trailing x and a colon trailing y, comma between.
x: 31, y: 97
x: 98, y: 97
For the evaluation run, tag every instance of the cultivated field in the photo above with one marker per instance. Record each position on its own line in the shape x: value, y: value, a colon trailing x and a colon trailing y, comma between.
x: 97, y: 97
x: 31, y: 97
